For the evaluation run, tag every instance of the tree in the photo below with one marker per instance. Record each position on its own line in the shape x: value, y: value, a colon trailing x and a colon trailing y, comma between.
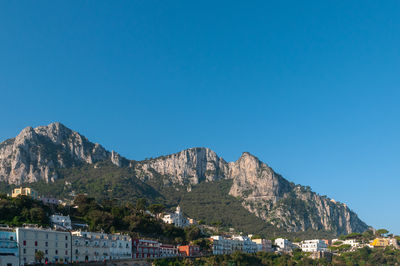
x: 141, y: 204
x: 156, y: 208
x: 192, y: 233
x: 39, y: 255
x: 37, y: 215
x: 381, y: 232
x: 205, y: 244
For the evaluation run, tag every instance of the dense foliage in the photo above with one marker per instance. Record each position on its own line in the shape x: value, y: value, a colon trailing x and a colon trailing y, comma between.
x: 111, y: 216
x: 23, y: 210
x: 364, y: 256
x: 206, y: 202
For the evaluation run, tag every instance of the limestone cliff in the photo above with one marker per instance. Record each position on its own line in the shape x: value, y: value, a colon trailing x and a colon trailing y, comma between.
x: 36, y: 153
x: 262, y: 191
x: 190, y: 166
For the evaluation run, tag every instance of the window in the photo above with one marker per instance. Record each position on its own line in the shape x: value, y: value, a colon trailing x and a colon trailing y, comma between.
x: 66, y: 252
x: 24, y: 250
x: 56, y: 251
x: 11, y: 238
x: 66, y: 245
x: 24, y: 242
x: 47, y: 236
x: 35, y: 243
x: 46, y: 252
x: 47, y: 244
x: 66, y: 237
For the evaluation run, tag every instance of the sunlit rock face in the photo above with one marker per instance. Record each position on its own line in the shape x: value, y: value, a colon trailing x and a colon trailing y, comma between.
x: 36, y: 154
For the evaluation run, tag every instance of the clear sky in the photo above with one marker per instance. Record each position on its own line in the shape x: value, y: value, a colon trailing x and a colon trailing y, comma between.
x: 309, y: 87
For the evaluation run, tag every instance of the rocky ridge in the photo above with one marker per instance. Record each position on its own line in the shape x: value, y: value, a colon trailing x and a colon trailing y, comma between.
x: 36, y: 154
x: 263, y: 192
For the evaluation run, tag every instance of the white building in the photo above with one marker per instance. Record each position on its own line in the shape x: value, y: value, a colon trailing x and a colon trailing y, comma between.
x: 176, y: 218
x: 61, y: 222
x: 167, y: 251
x: 56, y: 245
x: 313, y: 245
x: 352, y: 242
x: 247, y: 245
x: 8, y: 260
x: 91, y: 246
x: 283, y: 245
x: 121, y: 247
x: 223, y: 245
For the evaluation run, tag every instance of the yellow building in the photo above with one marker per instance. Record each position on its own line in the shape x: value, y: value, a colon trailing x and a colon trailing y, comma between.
x: 380, y: 242
x: 24, y: 191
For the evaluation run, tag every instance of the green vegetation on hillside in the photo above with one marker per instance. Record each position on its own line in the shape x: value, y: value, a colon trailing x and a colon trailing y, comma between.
x: 208, y: 201
x: 23, y: 210
x: 364, y: 256
x: 106, y: 215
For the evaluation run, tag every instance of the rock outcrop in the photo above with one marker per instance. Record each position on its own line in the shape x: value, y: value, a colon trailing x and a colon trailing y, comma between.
x: 36, y: 153
x: 190, y: 166
x: 263, y: 192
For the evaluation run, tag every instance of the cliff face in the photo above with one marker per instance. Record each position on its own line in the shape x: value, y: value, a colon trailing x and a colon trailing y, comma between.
x: 262, y: 191
x: 188, y: 167
x: 36, y: 153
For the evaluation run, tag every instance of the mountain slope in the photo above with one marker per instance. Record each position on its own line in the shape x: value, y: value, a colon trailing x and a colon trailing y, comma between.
x: 36, y: 153
x: 52, y: 152
x: 262, y: 192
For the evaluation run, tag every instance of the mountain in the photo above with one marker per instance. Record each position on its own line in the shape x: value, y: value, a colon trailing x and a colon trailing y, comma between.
x: 36, y: 153
x: 50, y: 154
x: 262, y: 192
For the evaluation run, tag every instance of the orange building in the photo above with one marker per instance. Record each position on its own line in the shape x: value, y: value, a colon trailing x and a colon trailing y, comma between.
x: 189, y: 250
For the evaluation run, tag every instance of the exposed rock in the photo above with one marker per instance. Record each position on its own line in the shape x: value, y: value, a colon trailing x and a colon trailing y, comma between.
x: 190, y: 166
x: 36, y: 153
x: 264, y: 192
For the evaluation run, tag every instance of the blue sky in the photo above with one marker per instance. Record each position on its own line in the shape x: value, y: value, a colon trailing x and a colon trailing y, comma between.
x: 310, y: 87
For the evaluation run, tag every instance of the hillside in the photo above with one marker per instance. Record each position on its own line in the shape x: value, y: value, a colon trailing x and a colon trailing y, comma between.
x: 243, y: 194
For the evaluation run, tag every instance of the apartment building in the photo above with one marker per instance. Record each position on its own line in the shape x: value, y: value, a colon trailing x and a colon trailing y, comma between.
x: 245, y: 244
x: 91, y: 246
x: 314, y: 245
x: 61, y: 222
x: 167, y: 251
x: 143, y: 248
x: 221, y: 245
x: 8, y: 247
x: 283, y: 245
x: 55, y: 245
x: 121, y: 246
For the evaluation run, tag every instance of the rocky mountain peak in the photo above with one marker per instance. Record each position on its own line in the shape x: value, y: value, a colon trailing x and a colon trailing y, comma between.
x: 36, y: 153
x: 190, y: 166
